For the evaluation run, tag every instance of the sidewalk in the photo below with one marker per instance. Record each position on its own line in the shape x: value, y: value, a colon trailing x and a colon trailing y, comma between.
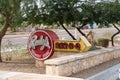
x: 30, y: 76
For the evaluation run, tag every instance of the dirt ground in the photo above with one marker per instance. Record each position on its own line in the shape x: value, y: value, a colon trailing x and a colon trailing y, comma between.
x: 23, y: 65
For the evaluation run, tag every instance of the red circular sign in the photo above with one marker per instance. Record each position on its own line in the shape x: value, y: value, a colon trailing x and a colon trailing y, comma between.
x: 40, y: 44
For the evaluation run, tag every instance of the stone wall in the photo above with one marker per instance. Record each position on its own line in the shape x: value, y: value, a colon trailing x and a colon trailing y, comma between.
x: 68, y: 65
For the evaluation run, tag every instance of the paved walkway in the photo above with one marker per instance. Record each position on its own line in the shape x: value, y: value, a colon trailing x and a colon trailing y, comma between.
x: 94, y: 70
x: 4, y: 75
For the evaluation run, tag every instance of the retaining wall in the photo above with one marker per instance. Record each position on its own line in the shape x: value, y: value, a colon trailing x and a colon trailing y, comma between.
x: 68, y: 65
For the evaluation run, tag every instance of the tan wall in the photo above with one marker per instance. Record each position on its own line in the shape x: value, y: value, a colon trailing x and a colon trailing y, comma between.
x: 67, y: 65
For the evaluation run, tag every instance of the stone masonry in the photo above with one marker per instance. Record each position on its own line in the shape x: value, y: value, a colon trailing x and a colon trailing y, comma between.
x: 68, y: 65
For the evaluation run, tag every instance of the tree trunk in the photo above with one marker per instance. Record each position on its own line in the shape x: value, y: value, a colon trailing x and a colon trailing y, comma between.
x: 116, y: 27
x: 79, y: 29
x: 0, y: 51
x: 81, y: 32
x: 112, y: 38
x: 3, y: 31
x: 68, y: 32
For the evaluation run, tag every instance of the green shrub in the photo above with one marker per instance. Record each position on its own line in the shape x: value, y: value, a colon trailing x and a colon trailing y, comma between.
x: 103, y: 42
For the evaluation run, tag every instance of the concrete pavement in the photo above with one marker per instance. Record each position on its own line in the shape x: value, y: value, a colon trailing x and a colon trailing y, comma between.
x: 30, y: 76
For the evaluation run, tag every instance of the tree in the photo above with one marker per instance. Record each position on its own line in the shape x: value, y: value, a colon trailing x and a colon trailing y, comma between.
x: 109, y: 15
x: 59, y: 12
x: 112, y: 16
x: 62, y: 12
x: 12, y: 13
x: 102, y: 12
x: 75, y: 12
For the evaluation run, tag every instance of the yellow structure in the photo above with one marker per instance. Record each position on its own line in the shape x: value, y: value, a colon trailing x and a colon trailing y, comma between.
x: 85, y: 44
x: 76, y: 46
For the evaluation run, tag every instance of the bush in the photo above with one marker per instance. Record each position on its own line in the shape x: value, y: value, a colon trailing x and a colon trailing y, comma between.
x: 103, y: 42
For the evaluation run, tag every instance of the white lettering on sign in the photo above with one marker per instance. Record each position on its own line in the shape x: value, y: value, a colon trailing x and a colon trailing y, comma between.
x: 41, y: 42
